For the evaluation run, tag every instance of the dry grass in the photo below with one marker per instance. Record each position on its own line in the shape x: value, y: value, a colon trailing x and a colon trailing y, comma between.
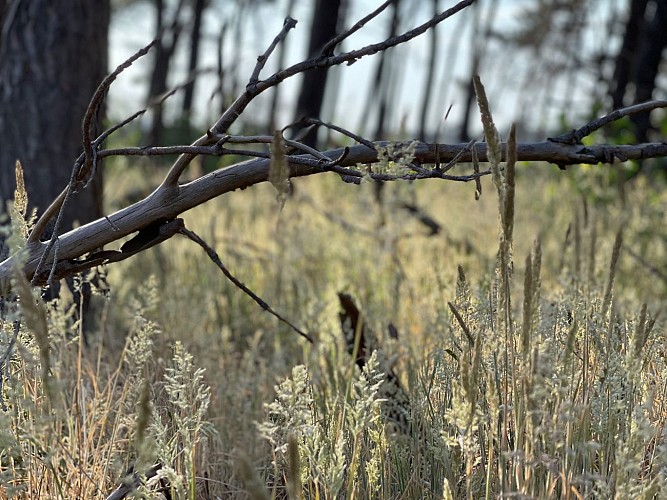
x: 563, y: 395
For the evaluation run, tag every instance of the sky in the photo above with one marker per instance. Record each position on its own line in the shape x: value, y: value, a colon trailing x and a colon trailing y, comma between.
x: 506, y: 73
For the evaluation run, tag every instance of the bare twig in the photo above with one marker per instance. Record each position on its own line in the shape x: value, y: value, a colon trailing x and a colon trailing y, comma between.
x: 351, y: 135
x: 331, y: 45
x: 452, y: 163
x: 252, y: 91
x: 266, y: 139
x: 575, y: 136
x: 93, y: 109
x: 53, y: 241
x: 164, y: 204
x: 158, y: 101
x: 261, y: 60
x: 216, y: 259
x: 475, y: 169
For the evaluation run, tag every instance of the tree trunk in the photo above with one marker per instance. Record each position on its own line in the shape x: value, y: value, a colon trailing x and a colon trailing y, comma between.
x: 311, y: 96
x: 638, y: 61
x: 623, y: 70
x: 195, y: 35
x: 53, y: 55
x: 649, y: 57
x: 164, y: 50
x: 427, y: 103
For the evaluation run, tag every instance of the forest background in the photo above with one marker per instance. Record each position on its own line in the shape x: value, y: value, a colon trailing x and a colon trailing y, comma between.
x: 492, y: 376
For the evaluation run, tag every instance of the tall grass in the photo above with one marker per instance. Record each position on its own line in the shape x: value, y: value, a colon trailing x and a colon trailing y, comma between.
x: 531, y: 367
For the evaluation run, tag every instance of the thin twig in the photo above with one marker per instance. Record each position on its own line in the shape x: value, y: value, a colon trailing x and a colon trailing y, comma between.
x: 330, y: 46
x: 94, y: 106
x: 216, y: 259
x: 339, y: 160
x: 52, y: 241
x: 452, y: 163
x: 475, y: 169
x: 252, y: 91
x: 267, y: 139
x: 245, y: 152
x: 49, y: 281
x: 575, y: 136
x: 351, y: 135
x: 214, y: 150
x: 354, y: 55
x: 157, y: 101
x: 261, y: 60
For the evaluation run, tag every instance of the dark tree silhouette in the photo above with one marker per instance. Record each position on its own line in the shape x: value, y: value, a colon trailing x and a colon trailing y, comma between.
x: 198, y: 8
x: 638, y: 61
x: 326, y: 17
x: 168, y: 34
x: 53, y: 54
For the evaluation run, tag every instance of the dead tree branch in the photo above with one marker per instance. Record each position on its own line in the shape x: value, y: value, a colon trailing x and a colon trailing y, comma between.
x: 155, y: 218
x: 575, y: 136
x: 254, y: 88
x: 165, y: 205
x: 212, y: 254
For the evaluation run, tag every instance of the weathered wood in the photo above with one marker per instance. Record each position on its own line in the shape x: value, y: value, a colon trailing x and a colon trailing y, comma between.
x: 167, y: 201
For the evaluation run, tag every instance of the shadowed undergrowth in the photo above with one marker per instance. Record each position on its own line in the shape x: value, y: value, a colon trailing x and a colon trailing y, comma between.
x: 548, y: 381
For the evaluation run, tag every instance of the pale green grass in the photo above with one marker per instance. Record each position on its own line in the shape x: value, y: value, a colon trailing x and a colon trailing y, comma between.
x: 569, y: 401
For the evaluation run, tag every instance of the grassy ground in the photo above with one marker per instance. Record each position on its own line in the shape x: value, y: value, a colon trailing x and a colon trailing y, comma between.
x: 551, y: 383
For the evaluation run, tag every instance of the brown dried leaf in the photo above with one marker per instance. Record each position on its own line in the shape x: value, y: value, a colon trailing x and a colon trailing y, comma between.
x: 279, y: 169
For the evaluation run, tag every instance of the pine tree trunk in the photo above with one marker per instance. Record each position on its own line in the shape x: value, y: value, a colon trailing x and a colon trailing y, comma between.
x: 323, y: 28
x: 53, y: 54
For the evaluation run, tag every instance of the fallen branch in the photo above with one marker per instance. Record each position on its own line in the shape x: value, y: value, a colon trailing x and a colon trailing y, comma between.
x: 168, y: 202
x: 155, y: 218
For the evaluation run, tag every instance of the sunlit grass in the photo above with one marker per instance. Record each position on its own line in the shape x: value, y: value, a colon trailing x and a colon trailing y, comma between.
x: 188, y: 371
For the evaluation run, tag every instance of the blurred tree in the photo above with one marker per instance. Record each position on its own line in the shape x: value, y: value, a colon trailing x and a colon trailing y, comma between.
x: 638, y: 61
x: 53, y: 55
x: 481, y: 34
x: 383, y: 88
x: 562, y: 56
x: 168, y: 32
x: 430, y: 75
x: 327, y: 16
x: 198, y: 8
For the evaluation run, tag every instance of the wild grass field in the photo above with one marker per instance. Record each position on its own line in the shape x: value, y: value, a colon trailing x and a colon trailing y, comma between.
x: 549, y: 381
